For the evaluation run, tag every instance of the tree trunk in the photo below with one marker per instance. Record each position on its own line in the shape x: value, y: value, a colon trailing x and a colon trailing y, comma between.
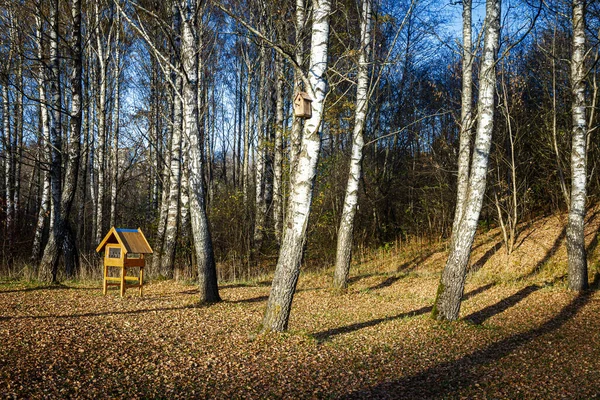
x: 169, y: 247
x: 45, y: 145
x: 248, y: 109
x: 48, y: 267
x: 260, y: 164
x: 117, y: 119
x: 466, y: 117
x: 102, y: 56
x: 451, y: 287
x: 345, y: 232
x: 296, y: 132
x: 62, y: 238
x: 174, y: 132
x: 294, y: 235
x: 207, y: 271
x: 278, y: 150
x: 578, y: 274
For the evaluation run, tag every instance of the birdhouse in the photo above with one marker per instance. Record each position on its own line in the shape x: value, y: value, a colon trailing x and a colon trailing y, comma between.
x: 124, y: 250
x: 302, y: 106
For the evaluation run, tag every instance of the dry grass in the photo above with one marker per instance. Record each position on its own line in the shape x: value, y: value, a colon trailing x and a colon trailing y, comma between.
x: 522, y: 335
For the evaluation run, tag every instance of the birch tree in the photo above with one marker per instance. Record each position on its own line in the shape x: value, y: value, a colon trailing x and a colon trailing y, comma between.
x: 207, y: 271
x: 61, y: 237
x: 287, y: 270
x: 114, y: 157
x: 346, y: 229
x: 278, y: 150
x: 168, y: 252
x: 576, y: 254
x: 103, y: 49
x: 260, y: 160
x: 44, y: 140
x: 297, y: 123
x: 466, y: 116
x: 451, y: 287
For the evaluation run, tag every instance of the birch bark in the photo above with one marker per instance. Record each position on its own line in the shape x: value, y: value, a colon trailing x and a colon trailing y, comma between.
x: 451, y: 287
x: 102, y: 53
x: 287, y: 271
x: 576, y: 254
x: 296, y: 132
x: 466, y: 116
x: 117, y: 115
x: 260, y: 199
x: 278, y: 151
x: 207, y: 272
x: 174, y: 132
x: 346, y: 229
x: 47, y: 270
x: 45, y: 143
x: 248, y: 103
x: 61, y: 237
x: 168, y: 256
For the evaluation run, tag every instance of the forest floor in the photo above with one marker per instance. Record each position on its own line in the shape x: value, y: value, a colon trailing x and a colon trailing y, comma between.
x: 521, y: 333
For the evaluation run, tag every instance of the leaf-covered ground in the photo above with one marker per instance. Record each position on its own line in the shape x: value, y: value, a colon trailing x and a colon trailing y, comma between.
x: 521, y: 334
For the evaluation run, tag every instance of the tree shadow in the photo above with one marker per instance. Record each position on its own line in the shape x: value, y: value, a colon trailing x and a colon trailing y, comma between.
x: 329, y: 333
x: 357, y: 278
x: 387, y: 282
x: 243, y: 285
x: 443, y: 380
x: 106, y: 313
x: 251, y: 300
x: 415, y: 261
x: 488, y: 240
x: 486, y: 256
x: 551, y: 252
x: 480, y: 316
x: 58, y: 286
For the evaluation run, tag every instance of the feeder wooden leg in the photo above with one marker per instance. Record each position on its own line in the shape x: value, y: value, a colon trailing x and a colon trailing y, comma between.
x: 122, y: 281
x: 104, y: 286
x: 141, y: 279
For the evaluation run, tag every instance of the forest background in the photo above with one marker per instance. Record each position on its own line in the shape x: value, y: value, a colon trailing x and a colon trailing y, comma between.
x: 133, y: 166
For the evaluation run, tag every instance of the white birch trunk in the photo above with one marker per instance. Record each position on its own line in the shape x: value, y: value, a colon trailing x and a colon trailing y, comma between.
x: 169, y: 246
x: 8, y: 162
x: 466, y: 117
x: 17, y: 137
x: 260, y: 205
x: 47, y: 270
x: 346, y: 229
x: 278, y: 151
x: 576, y: 253
x: 296, y: 132
x: 451, y: 287
x: 294, y: 235
x: 207, y: 271
x: 62, y: 237
x: 102, y: 56
x: 248, y: 103
x: 117, y: 120
x: 45, y: 146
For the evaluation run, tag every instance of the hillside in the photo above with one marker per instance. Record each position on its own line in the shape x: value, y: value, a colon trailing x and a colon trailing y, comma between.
x: 521, y: 334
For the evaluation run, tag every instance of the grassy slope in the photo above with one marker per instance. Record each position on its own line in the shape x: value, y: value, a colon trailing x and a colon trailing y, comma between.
x: 521, y: 334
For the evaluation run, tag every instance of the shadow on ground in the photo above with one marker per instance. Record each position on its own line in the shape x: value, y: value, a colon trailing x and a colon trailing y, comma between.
x: 328, y: 334
x: 445, y: 379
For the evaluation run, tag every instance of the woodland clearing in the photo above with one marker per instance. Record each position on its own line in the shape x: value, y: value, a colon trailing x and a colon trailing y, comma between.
x: 521, y: 333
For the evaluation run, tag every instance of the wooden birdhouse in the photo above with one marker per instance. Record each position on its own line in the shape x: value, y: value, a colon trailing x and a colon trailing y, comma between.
x: 302, y: 105
x: 124, y: 250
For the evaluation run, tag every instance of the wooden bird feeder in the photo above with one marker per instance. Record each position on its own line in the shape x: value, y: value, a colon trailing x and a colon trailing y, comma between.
x: 302, y: 105
x: 124, y: 249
